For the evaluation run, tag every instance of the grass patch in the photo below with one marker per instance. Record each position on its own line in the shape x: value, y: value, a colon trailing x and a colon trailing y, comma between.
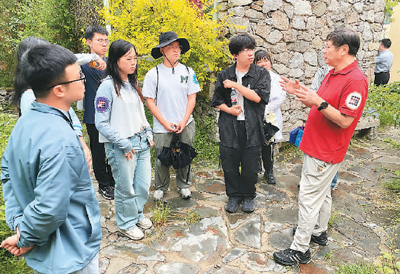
x: 289, y: 151
x: 362, y: 268
x: 160, y: 214
x: 334, y: 217
x: 190, y: 217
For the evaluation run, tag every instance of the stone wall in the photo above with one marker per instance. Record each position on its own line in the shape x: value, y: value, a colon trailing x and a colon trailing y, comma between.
x: 5, y: 96
x: 294, y: 31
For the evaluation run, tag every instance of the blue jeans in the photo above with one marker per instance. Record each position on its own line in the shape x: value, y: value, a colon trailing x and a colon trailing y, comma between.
x: 132, y: 180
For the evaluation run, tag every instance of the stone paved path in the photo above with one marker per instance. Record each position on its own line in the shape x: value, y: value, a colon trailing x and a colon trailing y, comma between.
x: 360, y: 228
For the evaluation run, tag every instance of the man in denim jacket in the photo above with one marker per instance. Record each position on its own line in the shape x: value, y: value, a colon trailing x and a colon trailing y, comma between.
x: 49, y: 197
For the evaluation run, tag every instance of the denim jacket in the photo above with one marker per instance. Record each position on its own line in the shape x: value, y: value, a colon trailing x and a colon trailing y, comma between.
x: 103, y: 108
x: 259, y: 80
x: 48, y: 192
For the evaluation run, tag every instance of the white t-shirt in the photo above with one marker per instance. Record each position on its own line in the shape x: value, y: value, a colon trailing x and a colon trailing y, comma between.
x: 240, y: 98
x: 173, y: 92
x: 127, y: 115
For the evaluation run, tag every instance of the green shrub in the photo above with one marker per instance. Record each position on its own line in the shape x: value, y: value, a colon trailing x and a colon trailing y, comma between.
x: 362, y: 268
x: 142, y: 21
x: 61, y: 22
x: 385, y: 100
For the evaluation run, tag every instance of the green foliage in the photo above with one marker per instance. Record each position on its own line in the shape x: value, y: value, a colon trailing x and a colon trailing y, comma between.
x: 207, y: 149
x: 389, y: 4
x: 388, y: 263
x: 8, y: 262
x: 190, y: 217
x: 142, y: 21
x: 60, y: 22
x: 8, y: 36
x: 362, y: 268
x: 385, y: 100
x: 160, y: 214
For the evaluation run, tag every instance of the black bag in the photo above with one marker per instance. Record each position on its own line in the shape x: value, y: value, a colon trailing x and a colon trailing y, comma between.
x: 178, y: 154
x: 269, y: 130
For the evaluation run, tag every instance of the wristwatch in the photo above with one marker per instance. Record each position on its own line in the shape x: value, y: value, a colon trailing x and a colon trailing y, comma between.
x: 323, y: 105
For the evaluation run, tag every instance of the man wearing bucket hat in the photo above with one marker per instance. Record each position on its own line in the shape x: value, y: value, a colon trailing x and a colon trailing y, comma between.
x: 170, y: 90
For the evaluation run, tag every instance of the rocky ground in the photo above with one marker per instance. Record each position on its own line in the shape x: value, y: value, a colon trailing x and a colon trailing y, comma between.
x: 200, y: 237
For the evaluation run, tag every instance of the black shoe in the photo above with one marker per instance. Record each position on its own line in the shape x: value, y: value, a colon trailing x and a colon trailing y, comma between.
x: 270, y: 178
x: 248, y: 205
x: 292, y: 257
x: 107, y: 192
x: 233, y: 204
x: 321, y: 239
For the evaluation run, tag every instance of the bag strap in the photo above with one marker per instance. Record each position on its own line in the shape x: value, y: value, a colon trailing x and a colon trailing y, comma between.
x: 157, y: 83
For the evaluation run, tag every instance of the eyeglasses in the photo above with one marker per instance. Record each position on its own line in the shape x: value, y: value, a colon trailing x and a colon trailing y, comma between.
x: 102, y: 41
x: 247, y: 50
x: 83, y: 78
x: 174, y: 47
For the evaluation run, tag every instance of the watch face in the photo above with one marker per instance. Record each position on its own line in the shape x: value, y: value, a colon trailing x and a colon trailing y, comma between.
x: 323, y: 105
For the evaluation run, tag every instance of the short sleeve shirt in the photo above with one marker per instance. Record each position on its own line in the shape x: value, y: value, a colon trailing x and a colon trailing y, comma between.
x: 347, y: 91
x: 172, y: 92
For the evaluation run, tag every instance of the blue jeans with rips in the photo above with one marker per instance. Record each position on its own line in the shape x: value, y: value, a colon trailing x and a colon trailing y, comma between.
x: 132, y: 180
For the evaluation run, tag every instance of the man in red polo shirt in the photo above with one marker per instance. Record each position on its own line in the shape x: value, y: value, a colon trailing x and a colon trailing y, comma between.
x: 335, y: 110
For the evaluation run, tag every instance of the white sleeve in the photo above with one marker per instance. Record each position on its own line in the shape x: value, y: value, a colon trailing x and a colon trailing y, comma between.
x: 149, y: 84
x: 194, y: 85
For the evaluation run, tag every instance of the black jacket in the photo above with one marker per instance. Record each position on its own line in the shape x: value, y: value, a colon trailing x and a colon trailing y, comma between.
x: 260, y: 81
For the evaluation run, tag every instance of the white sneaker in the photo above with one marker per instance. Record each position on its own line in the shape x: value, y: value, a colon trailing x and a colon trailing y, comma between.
x: 158, y: 195
x: 145, y: 223
x: 185, y: 193
x: 134, y: 233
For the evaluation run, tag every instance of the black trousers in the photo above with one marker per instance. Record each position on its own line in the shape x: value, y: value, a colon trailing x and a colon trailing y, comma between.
x: 267, y: 154
x: 381, y: 78
x: 101, y: 169
x: 240, y: 166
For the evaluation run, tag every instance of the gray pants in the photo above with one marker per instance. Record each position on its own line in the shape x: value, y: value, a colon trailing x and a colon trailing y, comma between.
x: 315, y: 200
x: 162, y: 176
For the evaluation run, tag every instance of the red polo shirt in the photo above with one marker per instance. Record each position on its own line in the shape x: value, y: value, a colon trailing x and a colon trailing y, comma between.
x: 347, y: 91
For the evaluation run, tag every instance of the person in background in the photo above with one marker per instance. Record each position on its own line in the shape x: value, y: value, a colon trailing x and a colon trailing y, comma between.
x: 276, y: 99
x: 170, y: 90
x: 23, y: 95
x: 49, y: 197
x: 335, y: 111
x: 241, y: 93
x: 383, y: 63
x: 127, y: 137
x: 97, y: 41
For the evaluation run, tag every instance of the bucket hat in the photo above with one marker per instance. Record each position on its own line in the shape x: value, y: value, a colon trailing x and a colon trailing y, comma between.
x: 167, y: 38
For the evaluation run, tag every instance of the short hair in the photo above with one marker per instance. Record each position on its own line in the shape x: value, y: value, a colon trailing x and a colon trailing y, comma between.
x: 261, y: 55
x: 386, y: 42
x: 345, y: 36
x: 91, y: 30
x: 20, y: 85
x: 240, y: 42
x: 44, y: 66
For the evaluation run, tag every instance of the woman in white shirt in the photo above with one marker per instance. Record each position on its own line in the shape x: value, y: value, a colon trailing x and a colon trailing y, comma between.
x: 276, y: 98
x: 127, y: 137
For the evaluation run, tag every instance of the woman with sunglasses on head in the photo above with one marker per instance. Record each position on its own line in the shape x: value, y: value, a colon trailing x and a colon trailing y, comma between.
x: 127, y: 137
x: 277, y: 97
x: 23, y: 95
